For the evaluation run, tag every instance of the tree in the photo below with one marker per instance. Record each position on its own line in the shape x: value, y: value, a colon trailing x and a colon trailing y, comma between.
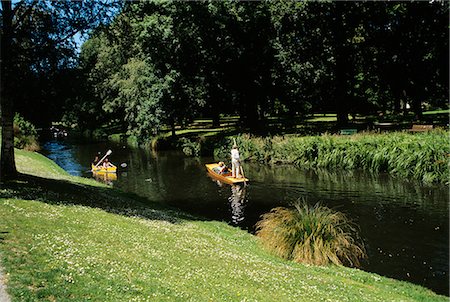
x: 7, y: 163
x: 163, y: 63
x: 48, y: 28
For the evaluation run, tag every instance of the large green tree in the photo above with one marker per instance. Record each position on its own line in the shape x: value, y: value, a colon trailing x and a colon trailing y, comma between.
x: 162, y: 63
x: 37, y: 37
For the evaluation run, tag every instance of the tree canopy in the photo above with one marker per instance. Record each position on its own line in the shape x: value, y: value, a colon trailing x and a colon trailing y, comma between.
x: 149, y: 65
x: 38, y: 56
x: 165, y: 62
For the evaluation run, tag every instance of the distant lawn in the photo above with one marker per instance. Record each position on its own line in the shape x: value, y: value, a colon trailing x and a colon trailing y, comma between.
x: 69, y: 239
x: 446, y: 111
x: 321, y: 118
x: 313, y: 124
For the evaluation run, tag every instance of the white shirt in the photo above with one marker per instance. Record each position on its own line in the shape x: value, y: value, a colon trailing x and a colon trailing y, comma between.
x: 234, y: 154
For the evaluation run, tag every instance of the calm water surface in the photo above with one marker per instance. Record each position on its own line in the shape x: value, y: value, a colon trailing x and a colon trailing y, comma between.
x: 405, y: 225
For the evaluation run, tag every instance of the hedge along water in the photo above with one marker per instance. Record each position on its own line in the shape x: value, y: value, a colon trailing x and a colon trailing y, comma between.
x: 422, y: 156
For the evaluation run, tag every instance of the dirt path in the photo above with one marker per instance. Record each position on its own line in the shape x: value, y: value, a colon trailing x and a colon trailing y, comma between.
x: 4, y: 297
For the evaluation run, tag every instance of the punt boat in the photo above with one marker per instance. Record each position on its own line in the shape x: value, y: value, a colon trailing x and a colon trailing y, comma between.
x: 226, y: 177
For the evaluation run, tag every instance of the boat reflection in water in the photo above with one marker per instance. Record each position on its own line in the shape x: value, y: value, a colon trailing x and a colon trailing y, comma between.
x: 105, y: 177
x: 238, y: 202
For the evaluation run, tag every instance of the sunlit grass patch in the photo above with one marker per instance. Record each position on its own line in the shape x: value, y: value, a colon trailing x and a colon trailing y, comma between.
x: 444, y: 111
x: 36, y: 164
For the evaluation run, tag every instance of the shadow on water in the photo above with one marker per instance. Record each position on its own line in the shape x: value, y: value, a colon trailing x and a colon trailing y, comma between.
x: 404, y: 224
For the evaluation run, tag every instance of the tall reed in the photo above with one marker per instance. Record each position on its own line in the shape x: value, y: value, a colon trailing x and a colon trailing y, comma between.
x: 311, y: 234
x: 422, y: 156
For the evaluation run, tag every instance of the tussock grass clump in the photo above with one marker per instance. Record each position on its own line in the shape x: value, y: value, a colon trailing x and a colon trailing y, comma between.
x: 311, y: 234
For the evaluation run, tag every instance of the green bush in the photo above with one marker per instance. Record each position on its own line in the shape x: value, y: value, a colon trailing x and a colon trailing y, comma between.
x: 25, y: 134
x: 190, y: 148
x: 312, y: 235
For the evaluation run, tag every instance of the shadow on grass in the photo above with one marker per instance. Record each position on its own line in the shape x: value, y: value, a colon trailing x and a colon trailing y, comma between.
x: 62, y: 192
x: 2, y: 235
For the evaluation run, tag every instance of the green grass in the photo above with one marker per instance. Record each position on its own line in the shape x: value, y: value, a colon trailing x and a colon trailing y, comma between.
x: 33, y: 163
x: 322, y: 118
x: 64, y: 238
x: 444, y: 111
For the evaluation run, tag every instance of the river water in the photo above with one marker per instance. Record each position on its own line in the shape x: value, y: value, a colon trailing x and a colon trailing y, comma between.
x: 405, y: 225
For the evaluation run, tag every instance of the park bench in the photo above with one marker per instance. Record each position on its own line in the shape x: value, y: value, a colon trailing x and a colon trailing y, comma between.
x: 348, y: 131
x: 421, y: 128
x: 385, y: 126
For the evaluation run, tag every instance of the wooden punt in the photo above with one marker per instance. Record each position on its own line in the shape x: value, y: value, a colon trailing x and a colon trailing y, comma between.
x: 226, y: 178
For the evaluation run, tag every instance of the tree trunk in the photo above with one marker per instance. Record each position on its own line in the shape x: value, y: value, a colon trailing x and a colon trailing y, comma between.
x: 172, y: 127
x: 416, y: 106
x: 216, y: 119
x: 7, y: 162
x: 250, y: 112
x: 343, y: 66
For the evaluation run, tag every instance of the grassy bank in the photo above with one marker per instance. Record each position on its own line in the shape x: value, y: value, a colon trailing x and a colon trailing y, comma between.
x: 421, y: 156
x: 66, y: 238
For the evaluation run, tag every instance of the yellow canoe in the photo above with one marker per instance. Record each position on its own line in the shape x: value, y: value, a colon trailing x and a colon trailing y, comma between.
x: 101, y: 169
x: 104, y: 176
x: 226, y: 178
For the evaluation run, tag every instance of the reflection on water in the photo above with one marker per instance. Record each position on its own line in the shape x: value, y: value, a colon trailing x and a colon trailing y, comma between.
x: 237, y: 202
x: 106, y: 178
x: 404, y: 224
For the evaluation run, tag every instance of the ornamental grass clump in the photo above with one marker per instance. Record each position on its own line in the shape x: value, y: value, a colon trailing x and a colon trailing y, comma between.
x: 311, y: 235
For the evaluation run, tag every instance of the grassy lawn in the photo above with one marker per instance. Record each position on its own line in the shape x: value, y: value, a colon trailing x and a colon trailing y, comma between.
x: 444, y: 111
x: 68, y: 238
x: 314, y: 124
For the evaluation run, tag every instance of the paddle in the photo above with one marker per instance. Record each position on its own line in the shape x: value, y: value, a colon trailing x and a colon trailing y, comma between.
x: 107, y: 154
x: 242, y: 171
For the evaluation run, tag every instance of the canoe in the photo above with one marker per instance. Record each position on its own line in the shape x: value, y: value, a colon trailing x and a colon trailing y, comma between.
x: 101, y: 169
x: 105, y: 176
x: 226, y: 178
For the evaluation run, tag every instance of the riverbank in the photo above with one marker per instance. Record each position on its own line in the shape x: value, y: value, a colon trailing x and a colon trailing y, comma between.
x: 66, y: 237
x: 314, y: 143
x: 421, y: 156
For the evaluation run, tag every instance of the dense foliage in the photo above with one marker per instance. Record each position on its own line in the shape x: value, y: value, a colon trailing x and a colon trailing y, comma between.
x: 25, y: 134
x: 161, y: 63
x: 38, y: 54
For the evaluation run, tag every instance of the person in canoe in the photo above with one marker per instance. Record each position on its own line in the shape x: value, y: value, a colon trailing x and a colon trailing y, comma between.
x: 96, y: 159
x: 107, y: 164
x: 235, y: 162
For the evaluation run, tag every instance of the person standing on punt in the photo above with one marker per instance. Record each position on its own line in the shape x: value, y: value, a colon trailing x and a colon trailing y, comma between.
x: 235, y: 162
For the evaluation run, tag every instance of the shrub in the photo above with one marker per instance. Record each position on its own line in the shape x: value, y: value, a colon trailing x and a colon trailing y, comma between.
x: 190, y: 148
x: 25, y: 134
x: 311, y: 235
